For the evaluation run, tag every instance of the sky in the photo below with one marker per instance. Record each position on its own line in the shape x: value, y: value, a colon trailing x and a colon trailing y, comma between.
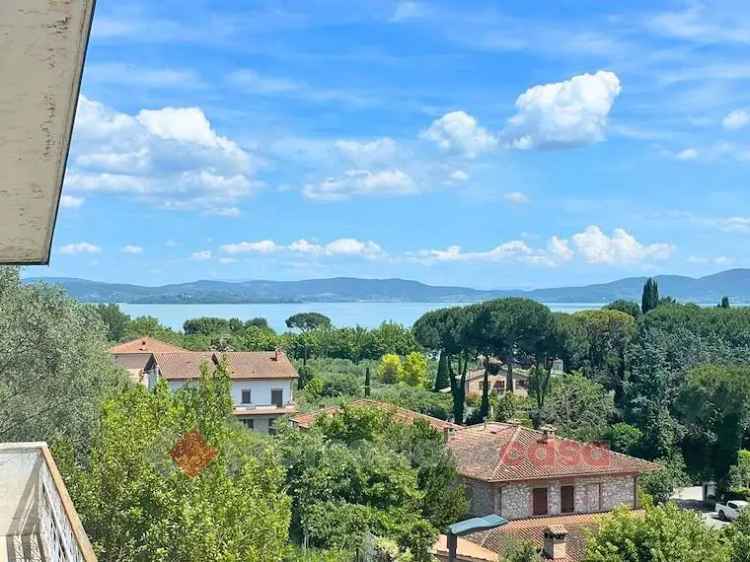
x: 486, y: 144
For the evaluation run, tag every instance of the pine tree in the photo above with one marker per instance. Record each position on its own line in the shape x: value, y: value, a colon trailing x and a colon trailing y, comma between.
x: 367, y: 382
x: 650, y: 299
x: 441, y: 379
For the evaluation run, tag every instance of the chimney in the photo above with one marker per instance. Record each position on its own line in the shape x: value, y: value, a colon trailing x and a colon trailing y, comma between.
x: 446, y: 434
x: 554, y: 542
x: 548, y: 433
x: 276, y: 354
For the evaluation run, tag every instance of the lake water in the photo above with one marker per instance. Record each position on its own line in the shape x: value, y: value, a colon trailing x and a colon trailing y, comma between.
x: 367, y: 314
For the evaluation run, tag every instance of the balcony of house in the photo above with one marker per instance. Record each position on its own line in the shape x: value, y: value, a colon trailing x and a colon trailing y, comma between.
x: 38, y: 521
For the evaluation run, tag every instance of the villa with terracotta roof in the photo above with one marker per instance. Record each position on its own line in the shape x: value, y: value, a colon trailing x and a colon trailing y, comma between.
x: 539, y: 481
x: 133, y: 355
x: 306, y: 420
x: 262, y: 381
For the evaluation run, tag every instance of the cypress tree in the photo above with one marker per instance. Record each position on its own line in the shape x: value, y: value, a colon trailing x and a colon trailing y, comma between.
x: 441, y: 379
x: 650, y: 299
x: 725, y: 302
x: 367, y: 382
x: 484, y: 409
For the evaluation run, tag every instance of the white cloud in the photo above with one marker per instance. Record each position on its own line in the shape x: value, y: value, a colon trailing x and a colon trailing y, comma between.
x: 740, y: 225
x: 687, y: 154
x: 250, y: 81
x: 261, y: 247
x: 557, y: 252
x: 458, y: 176
x: 362, y: 182
x: 563, y: 114
x: 408, y: 10
x: 516, y: 198
x: 718, y: 260
x: 231, y: 212
x: 367, y: 153
x: 80, y: 248
x: 118, y: 73
x: 737, y: 119
x: 598, y: 248
x: 227, y: 261
x: 70, y: 202
x: 132, y: 249
x: 352, y: 247
x: 202, y: 255
x: 338, y: 247
x: 458, y: 131
x: 171, y: 158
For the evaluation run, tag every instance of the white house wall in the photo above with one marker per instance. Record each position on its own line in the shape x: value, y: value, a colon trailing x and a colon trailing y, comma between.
x: 260, y: 390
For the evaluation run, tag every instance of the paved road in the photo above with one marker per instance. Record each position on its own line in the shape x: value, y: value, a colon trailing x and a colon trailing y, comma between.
x: 692, y: 498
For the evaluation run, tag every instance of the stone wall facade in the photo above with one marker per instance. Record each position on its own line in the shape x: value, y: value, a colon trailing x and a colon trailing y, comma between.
x: 591, y: 494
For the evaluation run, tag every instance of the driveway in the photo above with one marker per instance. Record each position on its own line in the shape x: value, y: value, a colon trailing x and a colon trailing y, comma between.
x: 692, y: 498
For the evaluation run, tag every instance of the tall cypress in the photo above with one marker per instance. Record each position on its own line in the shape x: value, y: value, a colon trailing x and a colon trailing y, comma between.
x: 650, y: 298
x: 367, y: 382
x: 441, y: 378
x: 724, y: 302
x: 484, y: 409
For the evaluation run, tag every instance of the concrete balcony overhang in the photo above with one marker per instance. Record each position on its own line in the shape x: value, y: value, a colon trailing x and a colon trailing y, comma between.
x: 42, y: 51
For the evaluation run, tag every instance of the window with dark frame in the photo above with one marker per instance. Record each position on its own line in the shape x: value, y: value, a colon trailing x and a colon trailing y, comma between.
x: 277, y: 397
x: 247, y: 396
x: 250, y: 424
x: 539, y: 501
x: 567, y: 499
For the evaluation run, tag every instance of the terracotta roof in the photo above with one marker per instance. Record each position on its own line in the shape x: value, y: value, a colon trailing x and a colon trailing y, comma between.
x: 144, y: 345
x: 576, y: 525
x: 402, y: 415
x: 186, y: 365
x: 466, y: 551
x: 500, y: 452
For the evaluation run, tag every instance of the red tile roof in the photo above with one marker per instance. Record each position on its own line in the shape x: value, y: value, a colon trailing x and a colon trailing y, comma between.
x: 402, y: 415
x: 498, y: 540
x: 500, y: 452
x: 186, y: 365
x: 144, y: 345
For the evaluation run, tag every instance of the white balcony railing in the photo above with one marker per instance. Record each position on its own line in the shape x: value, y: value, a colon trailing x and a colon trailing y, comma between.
x: 38, y: 521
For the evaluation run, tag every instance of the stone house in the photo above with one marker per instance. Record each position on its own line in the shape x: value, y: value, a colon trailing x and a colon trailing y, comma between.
x: 262, y: 382
x: 517, y: 472
x: 539, y: 481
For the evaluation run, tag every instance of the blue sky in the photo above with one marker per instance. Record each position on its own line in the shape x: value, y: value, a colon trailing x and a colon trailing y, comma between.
x: 490, y: 144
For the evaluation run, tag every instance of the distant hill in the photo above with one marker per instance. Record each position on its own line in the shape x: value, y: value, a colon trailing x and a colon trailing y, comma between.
x: 734, y: 283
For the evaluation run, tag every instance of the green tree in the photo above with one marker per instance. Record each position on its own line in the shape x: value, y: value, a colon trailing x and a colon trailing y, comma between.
x: 441, y: 378
x: 115, y: 320
x: 415, y: 369
x: 138, y: 504
x: 54, y: 368
x: 724, y: 302
x: 306, y: 321
x: 714, y: 404
x: 517, y: 330
x: 737, y: 537
x: 739, y: 473
x: 579, y: 408
x: 484, y: 408
x: 368, y: 384
x: 390, y: 369
x: 452, y: 332
x: 597, y: 342
x: 660, y: 484
x: 650, y: 298
x: 624, y: 438
x: 522, y: 551
x: 206, y: 326
x: 628, y: 307
x: 664, y: 533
